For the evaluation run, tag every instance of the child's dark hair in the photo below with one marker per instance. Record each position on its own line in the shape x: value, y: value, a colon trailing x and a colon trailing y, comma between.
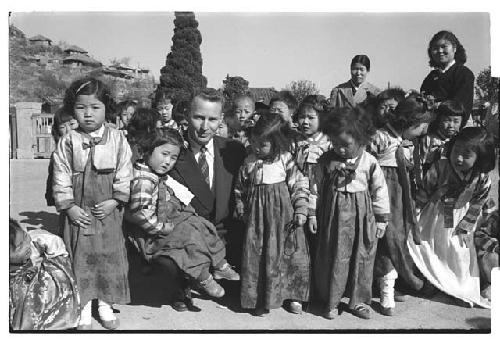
x: 410, y: 112
x: 158, y: 137
x: 396, y: 93
x: 60, y: 117
x: 315, y: 102
x: 273, y: 128
x: 162, y: 94
x: 479, y: 141
x: 449, y: 108
x: 287, y: 97
x: 361, y: 59
x: 460, y: 56
x: 126, y: 104
x: 143, y: 121
x: 353, y: 121
x: 90, y: 86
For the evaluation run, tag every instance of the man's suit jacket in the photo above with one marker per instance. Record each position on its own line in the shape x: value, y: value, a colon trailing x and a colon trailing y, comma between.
x: 216, y: 204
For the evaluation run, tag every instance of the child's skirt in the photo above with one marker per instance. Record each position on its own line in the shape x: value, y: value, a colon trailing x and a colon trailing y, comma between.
x: 98, y: 253
x: 275, y: 262
x: 447, y: 262
x: 346, y: 248
x: 392, y: 249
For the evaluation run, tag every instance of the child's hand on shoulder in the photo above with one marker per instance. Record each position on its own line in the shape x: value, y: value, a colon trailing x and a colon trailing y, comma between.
x: 299, y: 219
x: 240, y: 210
x: 103, y: 209
x: 78, y: 217
x: 313, y: 224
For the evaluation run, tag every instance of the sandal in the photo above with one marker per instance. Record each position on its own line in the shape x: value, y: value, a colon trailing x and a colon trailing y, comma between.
x: 361, y: 311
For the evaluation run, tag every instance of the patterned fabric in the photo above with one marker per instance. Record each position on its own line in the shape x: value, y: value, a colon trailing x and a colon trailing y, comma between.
x: 368, y: 177
x: 275, y: 260
x: 255, y: 172
x: 86, y: 177
x: 188, y: 239
x: 347, y: 216
x: 428, y: 149
x: 487, y: 235
x: 384, y: 145
x: 202, y: 163
x: 43, y: 294
x: 442, y: 183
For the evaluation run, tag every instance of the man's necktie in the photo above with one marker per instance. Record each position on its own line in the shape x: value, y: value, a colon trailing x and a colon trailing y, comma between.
x: 203, y: 164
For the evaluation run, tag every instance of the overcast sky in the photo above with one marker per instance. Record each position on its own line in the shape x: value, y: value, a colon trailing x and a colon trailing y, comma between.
x: 272, y: 49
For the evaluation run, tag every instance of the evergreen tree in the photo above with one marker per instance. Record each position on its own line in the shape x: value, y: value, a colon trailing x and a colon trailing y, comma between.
x: 182, y: 72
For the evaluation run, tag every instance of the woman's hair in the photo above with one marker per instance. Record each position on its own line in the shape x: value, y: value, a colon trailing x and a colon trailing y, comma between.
x: 410, y: 112
x: 361, y: 59
x: 273, y: 128
x: 448, y: 108
x: 460, y: 56
x: 143, y: 121
x: 89, y: 86
x: 287, y: 97
x: 479, y: 141
x: 60, y: 117
x: 158, y: 137
x: 353, y: 121
x: 162, y: 94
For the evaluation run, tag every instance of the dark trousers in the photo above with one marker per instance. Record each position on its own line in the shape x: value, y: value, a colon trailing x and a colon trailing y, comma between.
x: 178, y: 282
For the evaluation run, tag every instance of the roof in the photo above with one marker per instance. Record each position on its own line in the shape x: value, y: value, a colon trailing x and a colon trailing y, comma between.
x: 116, y: 73
x: 262, y: 94
x: 73, y: 48
x: 39, y: 37
x: 84, y: 59
x: 124, y: 67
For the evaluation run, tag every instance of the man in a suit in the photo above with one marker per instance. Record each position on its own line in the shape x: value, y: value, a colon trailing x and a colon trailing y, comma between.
x: 208, y: 167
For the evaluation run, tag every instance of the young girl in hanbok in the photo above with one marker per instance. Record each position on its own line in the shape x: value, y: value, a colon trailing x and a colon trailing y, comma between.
x: 352, y: 213
x: 92, y: 172
x: 393, y: 149
x: 310, y: 113
x: 163, y: 225
x: 452, y: 196
x: 272, y: 196
x: 450, y: 119
x: 42, y: 289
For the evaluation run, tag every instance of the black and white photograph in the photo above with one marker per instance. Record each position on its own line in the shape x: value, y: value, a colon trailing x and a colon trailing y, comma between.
x: 220, y: 169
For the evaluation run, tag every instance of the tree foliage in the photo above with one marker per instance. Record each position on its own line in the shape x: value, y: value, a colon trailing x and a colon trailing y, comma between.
x: 486, y: 86
x: 302, y: 88
x: 182, y: 72
x: 234, y: 86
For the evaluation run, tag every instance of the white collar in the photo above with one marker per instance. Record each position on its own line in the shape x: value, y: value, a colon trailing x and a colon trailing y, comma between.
x: 98, y: 133
x: 209, y: 146
x: 447, y: 66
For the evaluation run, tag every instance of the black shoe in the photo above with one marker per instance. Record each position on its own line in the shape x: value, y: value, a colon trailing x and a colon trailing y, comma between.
x: 428, y: 290
x: 179, y: 306
x: 191, y: 306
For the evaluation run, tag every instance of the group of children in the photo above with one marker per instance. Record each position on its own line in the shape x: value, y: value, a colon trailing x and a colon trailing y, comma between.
x: 327, y: 196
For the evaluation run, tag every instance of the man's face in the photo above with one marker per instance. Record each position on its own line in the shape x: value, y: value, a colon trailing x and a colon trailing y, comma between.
x: 204, y: 120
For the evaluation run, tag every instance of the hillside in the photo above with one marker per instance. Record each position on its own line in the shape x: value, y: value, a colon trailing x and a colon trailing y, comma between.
x: 37, y: 73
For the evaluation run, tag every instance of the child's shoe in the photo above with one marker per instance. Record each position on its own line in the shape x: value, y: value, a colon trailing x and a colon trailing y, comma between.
x: 486, y: 292
x: 295, y: 307
x: 361, y: 311
x: 329, y: 313
x: 108, y: 319
x: 85, y: 322
x: 226, y: 272
x: 259, y: 312
x: 212, y: 288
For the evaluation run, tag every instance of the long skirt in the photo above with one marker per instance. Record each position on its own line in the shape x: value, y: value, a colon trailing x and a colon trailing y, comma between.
x: 447, y: 262
x: 98, y: 253
x: 392, y: 252
x: 346, y: 248
x: 44, y: 297
x: 275, y: 263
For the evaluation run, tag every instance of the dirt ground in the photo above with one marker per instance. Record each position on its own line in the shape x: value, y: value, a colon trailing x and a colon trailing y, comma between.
x: 149, y: 311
